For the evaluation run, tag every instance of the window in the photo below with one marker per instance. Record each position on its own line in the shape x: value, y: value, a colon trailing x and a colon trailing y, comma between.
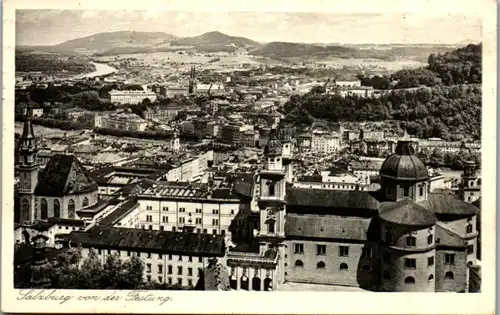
x: 169, y: 257
x: 409, y: 280
x: 320, y: 265
x: 198, y: 210
x: 99, y: 252
x: 164, y: 219
x: 449, y: 259
x: 215, y: 221
x: 388, y: 236
x: 160, y: 256
x: 366, y: 268
x: 469, y: 228
x: 85, y: 202
x: 162, y: 228
x: 160, y: 268
x: 200, y: 259
x: 430, y: 261
x: 190, y: 271
x: 149, y: 207
x: 138, y: 254
x: 215, y: 211
x: 190, y: 282
x: 148, y: 267
x: 270, y: 227
x: 198, y: 231
x: 299, y: 263
x: 366, y: 252
x: 431, y: 277
x: 205, y: 231
x: 128, y: 253
x: 169, y: 269
x: 214, y: 232
x: 298, y: 248
x: 272, y: 191
x: 182, y: 209
x: 343, y: 266
x: 232, y: 211
x: 173, y: 229
x: 449, y: 275
x: 470, y: 249
x: 165, y: 208
x: 160, y: 279
x: 179, y: 270
x: 223, y: 232
x: 343, y: 251
x: 149, y: 218
x: 180, y: 258
x: 430, y: 239
x: 406, y: 191
x: 44, y: 209
x: 421, y: 190
x: 179, y: 281
x: 197, y: 220
x: 182, y: 220
x: 199, y: 272
x: 386, y: 275
x: 410, y: 263
x: 71, y: 209
x: 320, y: 249
x: 149, y: 278
x: 190, y: 258
x: 390, y: 190
x: 150, y: 227
x: 169, y: 280
x: 411, y: 241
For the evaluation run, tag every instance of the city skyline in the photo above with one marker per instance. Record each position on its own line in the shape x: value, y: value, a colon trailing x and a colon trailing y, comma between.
x: 49, y: 27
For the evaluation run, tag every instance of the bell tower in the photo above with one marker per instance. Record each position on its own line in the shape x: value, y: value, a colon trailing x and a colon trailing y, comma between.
x: 470, y: 186
x: 271, y: 202
x: 28, y: 171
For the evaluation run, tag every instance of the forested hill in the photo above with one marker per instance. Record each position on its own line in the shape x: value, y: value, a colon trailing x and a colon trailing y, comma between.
x: 434, y: 109
x: 460, y: 66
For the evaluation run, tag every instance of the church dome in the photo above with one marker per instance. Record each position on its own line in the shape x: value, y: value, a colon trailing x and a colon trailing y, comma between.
x: 404, y: 165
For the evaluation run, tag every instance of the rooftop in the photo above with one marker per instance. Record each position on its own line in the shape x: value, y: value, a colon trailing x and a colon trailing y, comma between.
x: 329, y: 198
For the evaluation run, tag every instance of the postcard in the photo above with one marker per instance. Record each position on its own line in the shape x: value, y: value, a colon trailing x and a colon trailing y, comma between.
x: 249, y: 157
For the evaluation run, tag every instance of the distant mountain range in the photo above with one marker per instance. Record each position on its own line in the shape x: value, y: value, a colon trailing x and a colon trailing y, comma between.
x: 130, y: 42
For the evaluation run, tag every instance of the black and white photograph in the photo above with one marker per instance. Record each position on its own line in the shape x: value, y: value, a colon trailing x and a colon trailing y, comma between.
x: 169, y: 150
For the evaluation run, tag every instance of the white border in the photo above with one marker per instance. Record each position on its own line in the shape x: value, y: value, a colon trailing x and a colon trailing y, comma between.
x: 270, y: 302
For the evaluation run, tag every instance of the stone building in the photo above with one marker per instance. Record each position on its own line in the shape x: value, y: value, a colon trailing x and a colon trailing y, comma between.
x: 57, y: 191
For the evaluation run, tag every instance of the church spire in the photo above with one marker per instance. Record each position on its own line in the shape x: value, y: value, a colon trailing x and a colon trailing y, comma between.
x: 28, y: 147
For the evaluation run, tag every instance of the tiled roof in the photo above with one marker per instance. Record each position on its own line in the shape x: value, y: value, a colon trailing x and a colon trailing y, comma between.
x: 449, y: 204
x: 344, y: 199
x: 445, y: 237
x: 151, y: 240
x: 64, y: 175
x: 326, y: 226
x: 406, y: 212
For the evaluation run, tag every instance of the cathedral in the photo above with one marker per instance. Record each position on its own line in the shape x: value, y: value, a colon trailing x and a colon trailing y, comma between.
x: 401, y: 238
x: 57, y: 191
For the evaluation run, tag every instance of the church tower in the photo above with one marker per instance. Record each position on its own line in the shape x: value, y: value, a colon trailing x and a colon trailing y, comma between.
x: 470, y: 187
x: 28, y: 171
x: 272, y: 202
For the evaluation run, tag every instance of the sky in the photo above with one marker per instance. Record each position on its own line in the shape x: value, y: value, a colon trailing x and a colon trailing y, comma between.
x: 50, y: 27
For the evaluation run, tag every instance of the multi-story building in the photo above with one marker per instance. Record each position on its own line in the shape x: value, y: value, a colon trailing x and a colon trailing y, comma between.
x: 163, y: 113
x: 365, y: 169
x: 321, y: 142
x: 122, y: 121
x: 131, y: 96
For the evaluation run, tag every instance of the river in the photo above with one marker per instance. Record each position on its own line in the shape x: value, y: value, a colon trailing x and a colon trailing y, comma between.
x: 100, y: 69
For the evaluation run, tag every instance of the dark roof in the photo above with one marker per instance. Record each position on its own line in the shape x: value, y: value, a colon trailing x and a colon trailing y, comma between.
x: 195, y: 244
x: 445, y: 237
x: 224, y: 193
x: 449, y: 204
x: 404, y: 165
x: 345, y: 199
x: 46, y: 225
x: 406, y: 212
x: 26, y: 253
x: 310, y: 178
x: 127, y: 206
x: 326, y: 226
x: 64, y: 175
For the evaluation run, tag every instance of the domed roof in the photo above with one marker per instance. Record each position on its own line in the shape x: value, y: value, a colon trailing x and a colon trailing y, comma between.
x: 406, y: 212
x: 404, y: 165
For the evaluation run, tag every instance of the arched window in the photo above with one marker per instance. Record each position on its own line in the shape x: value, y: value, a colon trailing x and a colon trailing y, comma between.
x: 85, y: 202
x: 57, y: 209
x: 449, y: 275
x: 25, y: 210
x: 431, y: 277
x: 410, y: 280
x: 469, y: 263
x: 270, y: 226
x: 366, y: 268
x: 321, y: 265
x: 44, y: 207
x: 343, y: 266
x: 299, y: 263
x: 469, y: 228
x: 388, y: 236
x: 71, y: 209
